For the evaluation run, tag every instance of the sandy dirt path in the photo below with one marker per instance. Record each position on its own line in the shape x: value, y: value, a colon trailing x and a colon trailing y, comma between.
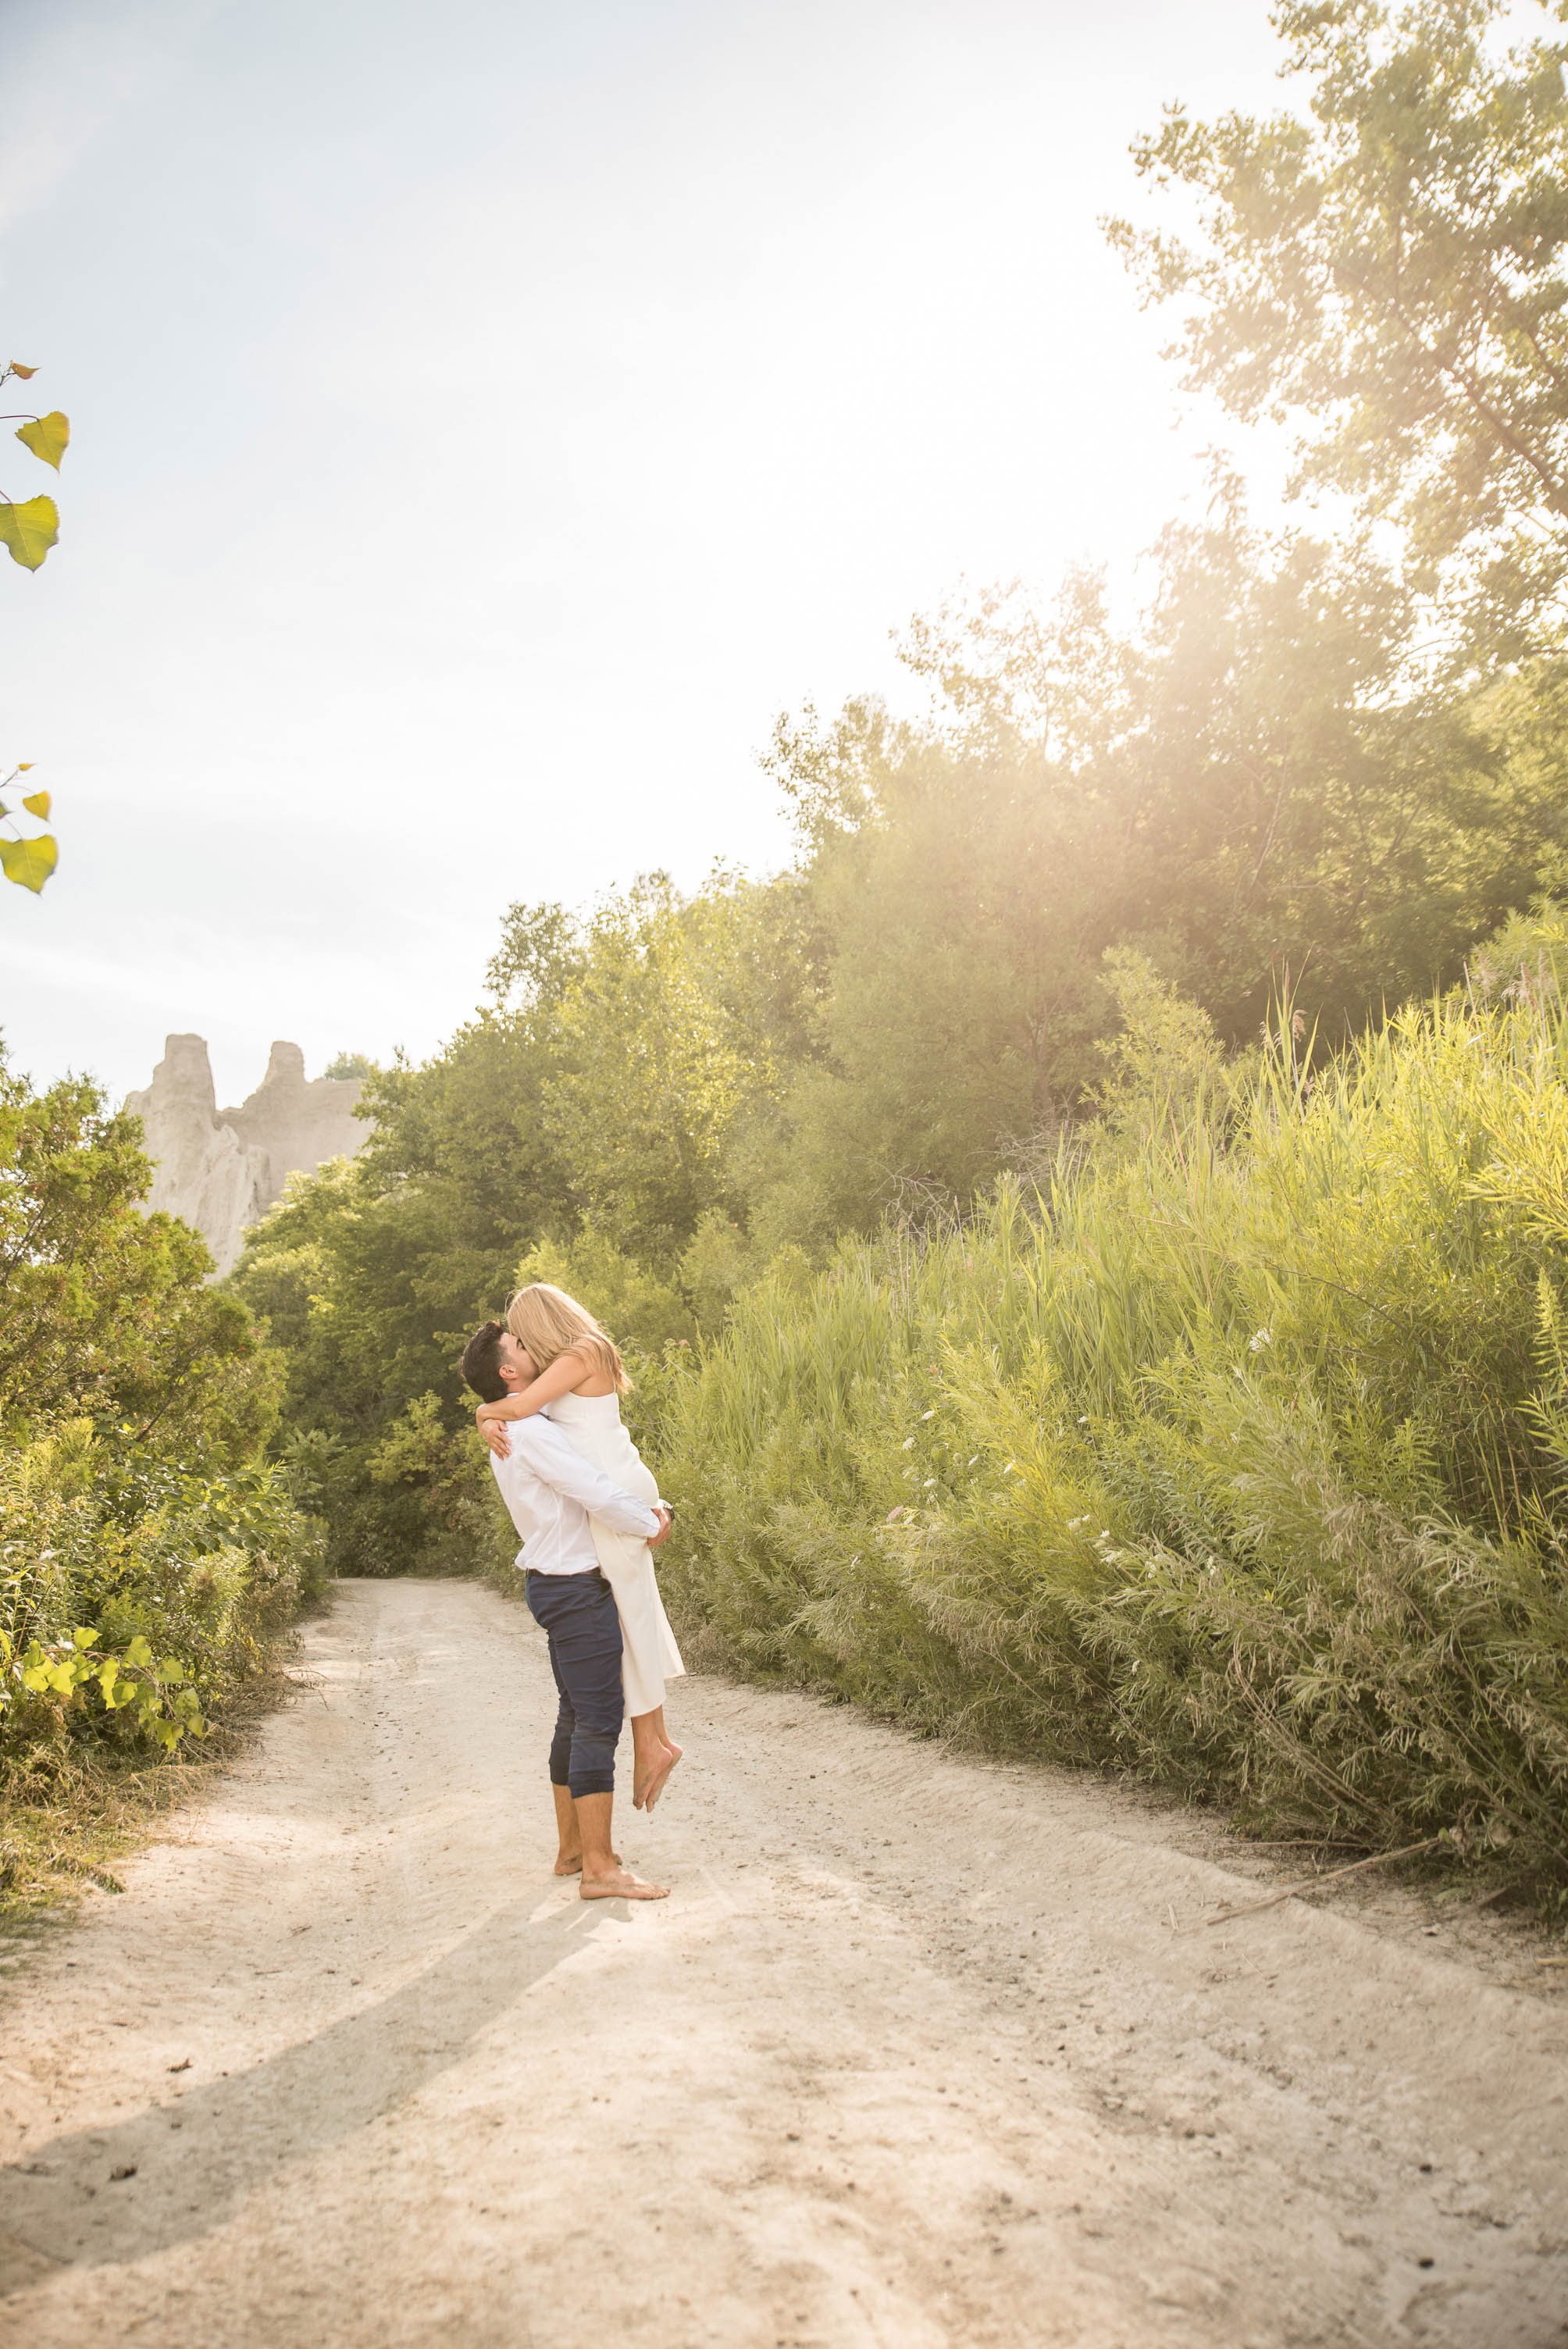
x: 922, y: 2053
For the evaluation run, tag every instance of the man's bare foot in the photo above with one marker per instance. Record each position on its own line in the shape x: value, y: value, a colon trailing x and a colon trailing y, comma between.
x: 570, y: 1863
x: 621, y: 1885
x: 660, y: 1778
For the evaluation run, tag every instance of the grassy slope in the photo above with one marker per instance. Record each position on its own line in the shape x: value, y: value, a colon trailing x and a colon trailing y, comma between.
x: 1232, y: 1461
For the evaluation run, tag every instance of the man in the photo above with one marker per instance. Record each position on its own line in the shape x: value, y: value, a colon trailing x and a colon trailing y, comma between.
x: 550, y: 1490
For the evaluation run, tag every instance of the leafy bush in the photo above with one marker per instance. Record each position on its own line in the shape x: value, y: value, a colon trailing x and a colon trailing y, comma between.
x: 135, y: 1594
x: 1231, y: 1457
x: 148, y: 1551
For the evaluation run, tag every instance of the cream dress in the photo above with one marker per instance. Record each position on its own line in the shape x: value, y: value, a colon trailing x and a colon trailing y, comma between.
x: 649, y: 1654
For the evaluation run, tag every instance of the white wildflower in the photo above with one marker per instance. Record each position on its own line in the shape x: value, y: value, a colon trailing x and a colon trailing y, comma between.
x: 1259, y: 1339
x: 908, y: 1443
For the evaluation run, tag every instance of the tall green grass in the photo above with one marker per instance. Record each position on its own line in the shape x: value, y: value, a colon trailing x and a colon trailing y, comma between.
x: 1234, y: 1455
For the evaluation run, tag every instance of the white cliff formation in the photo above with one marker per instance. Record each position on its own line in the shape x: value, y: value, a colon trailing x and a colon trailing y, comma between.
x: 221, y: 1170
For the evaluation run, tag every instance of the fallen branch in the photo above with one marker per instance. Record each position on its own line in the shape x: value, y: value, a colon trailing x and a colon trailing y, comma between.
x: 1311, y: 1883
x: 1298, y: 1843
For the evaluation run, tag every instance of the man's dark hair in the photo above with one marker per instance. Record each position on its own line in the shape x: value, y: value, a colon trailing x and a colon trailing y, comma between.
x: 481, y: 1362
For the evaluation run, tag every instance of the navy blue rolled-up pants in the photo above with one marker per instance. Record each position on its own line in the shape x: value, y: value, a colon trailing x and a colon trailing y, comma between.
x: 578, y: 1616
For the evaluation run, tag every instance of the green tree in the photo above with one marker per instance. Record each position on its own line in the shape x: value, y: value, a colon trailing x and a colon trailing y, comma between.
x: 146, y: 1549
x: 371, y: 1272
x: 575, y: 1129
x: 671, y: 1040
x: 1254, y: 786
x: 1389, y: 274
x: 105, y: 1311
x: 1303, y: 805
x: 950, y: 895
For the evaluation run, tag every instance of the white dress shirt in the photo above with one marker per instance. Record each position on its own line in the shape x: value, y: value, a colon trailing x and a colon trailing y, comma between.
x: 551, y: 1490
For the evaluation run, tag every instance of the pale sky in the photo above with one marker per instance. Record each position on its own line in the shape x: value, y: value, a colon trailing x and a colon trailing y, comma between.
x: 488, y: 415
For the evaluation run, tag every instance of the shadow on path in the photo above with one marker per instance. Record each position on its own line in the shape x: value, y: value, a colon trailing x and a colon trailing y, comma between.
x: 63, y: 2208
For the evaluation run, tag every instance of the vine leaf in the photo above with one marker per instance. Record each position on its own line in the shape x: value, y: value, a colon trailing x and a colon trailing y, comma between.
x: 29, y: 863
x: 14, y: 366
x: 46, y: 435
x: 29, y: 529
x: 37, y: 803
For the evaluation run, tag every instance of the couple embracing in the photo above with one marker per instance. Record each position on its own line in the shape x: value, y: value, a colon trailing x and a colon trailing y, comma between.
x: 590, y: 1516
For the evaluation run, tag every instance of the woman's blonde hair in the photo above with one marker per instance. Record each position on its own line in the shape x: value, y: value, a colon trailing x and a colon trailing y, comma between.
x: 545, y: 1321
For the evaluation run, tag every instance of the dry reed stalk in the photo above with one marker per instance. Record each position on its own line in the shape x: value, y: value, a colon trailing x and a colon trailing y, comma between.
x: 1312, y: 1883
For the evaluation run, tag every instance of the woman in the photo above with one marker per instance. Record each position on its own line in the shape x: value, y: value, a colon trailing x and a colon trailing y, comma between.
x: 579, y: 1381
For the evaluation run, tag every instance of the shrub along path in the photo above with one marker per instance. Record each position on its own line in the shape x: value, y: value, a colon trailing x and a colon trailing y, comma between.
x: 921, y: 2053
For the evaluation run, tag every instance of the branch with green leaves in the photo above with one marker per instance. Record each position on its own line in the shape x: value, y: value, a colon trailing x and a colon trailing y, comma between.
x: 1384, y: 269
x: 30, y: 526
x: 59, y: 1673
x: 28, y: 859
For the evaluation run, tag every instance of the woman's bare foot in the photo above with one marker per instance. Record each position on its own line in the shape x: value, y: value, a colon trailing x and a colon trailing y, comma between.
x: 660, y: 1779
x: 621, y: 1885
x: 570, y: 1863
x: 647, y: 1764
